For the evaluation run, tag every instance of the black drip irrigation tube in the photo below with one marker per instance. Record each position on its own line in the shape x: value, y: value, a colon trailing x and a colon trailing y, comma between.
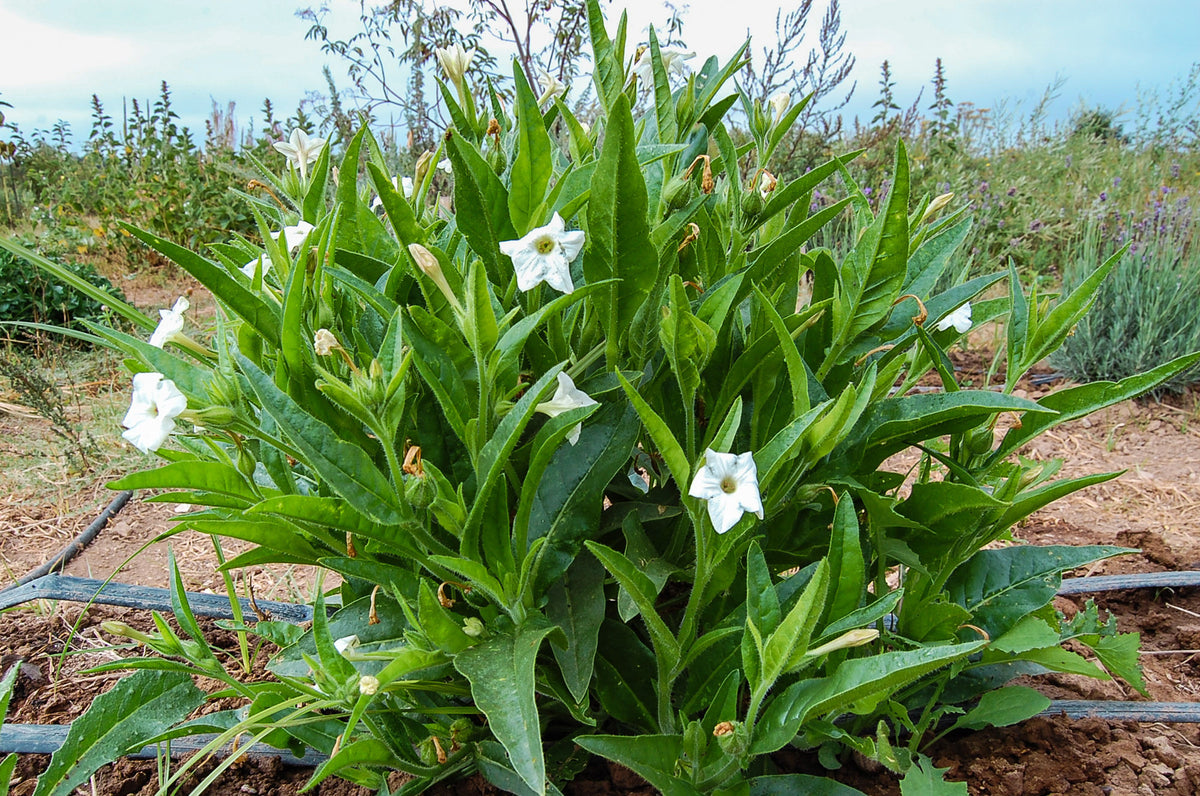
x: 77, y: 544
x: 41, y: 584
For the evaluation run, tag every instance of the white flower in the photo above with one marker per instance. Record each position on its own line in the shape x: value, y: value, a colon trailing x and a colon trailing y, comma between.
x: 960, y: 319
x: 292, y: 238
x: 766, y: 184
x: 779, y: 103
x: 566, y: 398
x: 545, y: 255
x: 346, y: 644
x: 454, y: 61
x: 368, y: 685
x: 551, y: 87
x: 672, y: 61
x: 444, y: 165
x: 152, y: 412
x: 300, y: 150
x: 170, y: 323
x: 729, y: 483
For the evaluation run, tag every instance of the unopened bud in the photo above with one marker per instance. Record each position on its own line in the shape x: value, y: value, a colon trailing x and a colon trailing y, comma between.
x: 779, y: 104
x: 853, y: 638
x: 473, y: 627
x: 936, y: 206
x: 429, y: 265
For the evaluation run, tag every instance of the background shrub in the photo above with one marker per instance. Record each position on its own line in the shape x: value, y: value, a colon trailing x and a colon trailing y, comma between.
x: 27, y: 295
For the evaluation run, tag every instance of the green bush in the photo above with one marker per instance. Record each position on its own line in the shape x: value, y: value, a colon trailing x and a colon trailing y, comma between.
x: 27, y: 295
x: 1145, y: 314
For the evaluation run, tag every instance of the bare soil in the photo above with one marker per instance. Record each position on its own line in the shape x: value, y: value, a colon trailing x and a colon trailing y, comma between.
x: 1154, y: 506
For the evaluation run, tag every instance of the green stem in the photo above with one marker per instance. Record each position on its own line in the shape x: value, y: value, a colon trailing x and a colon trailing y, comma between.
x: 235, y: 605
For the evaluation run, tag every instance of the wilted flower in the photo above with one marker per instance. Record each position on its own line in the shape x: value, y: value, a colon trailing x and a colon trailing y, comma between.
x: 779, y: 103
x: 170, y: 323
x: 672, y: 61
x: 729, y: 483
x: 152, y: 411
x: 454, y: 61
x: 960, y: 320
x: 324, y: 342
x: 566, y: 398
x: 545, y: 255
x: 767, y: 183
x: 300, y: 150
x: 551, y: 86
x: 368, y: 685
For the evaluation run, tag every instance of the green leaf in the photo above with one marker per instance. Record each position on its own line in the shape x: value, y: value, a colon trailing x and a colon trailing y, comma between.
x: 790, y: 640
x: 118, y: 721
x: 576, y: 605
x: 847, y: 569
x: 653, y: 757
x: 566, y: 507
x: 618, y: 243
x: 872, y: 274
x: 531, y: 168
x: 644, y: 595
x: 501, y: 671
x: 1079, y: 401
x: 347, y: 468
x: 854, y: 680
x: 481, y: 207
x: 356, y: 754
x: 1000, y: 587
x: 794, y: 784
x: 1003, y: 707
x: 223, y: 479
x: 1119, y: 654
x: 924, y: 779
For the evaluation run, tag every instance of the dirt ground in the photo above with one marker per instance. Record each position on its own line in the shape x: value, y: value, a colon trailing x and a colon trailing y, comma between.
x: 1154, y: 506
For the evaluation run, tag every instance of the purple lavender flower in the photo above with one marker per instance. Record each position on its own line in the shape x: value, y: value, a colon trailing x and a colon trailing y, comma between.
x: 983, y: 187
x: 1035, y: 225
x: 1175, y: 171
x: 1012, y: 191
x: 1104, y: 196
x: 1166, y: 190
x: 1116, y: 181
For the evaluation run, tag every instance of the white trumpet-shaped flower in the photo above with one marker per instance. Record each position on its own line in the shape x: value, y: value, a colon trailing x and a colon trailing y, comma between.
x: 454, y: 61
x: 551, y: 87
x: 728, y: 482
x: 545, y: 255
x: 779, y: 103
x: 300, y: 150
x: 170, y: 323
x: 960, y: 320
x: 566, y: 398
x: 293, y: 237
x: 151, y: 417
x: 672, y: 61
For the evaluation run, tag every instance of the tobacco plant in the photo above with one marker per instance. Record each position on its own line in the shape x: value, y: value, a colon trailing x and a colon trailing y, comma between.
x: 595, y: 477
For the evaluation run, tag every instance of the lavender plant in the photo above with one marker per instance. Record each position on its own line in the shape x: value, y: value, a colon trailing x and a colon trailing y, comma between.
x: 593, y: 477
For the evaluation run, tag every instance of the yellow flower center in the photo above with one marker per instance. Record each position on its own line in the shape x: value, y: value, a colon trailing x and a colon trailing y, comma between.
x: 728, y: 485
x: 545, y: 245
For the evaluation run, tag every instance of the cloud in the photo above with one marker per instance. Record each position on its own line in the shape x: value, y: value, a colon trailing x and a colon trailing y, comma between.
x: 37, y: 55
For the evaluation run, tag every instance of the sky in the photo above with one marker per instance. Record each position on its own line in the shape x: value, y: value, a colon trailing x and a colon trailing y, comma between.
x: 54, y: 54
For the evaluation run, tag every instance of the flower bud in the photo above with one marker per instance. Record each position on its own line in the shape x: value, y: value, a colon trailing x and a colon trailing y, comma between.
x: 678, y: 192
x: 420, y: 491
x: 979, y: 440
x: 429, y: 265
x: 473, y: 627
x: 497, y: 160
x: 935, y: 207
x: 779, y: 103
x: 732, y: 738
x: 752, y: 204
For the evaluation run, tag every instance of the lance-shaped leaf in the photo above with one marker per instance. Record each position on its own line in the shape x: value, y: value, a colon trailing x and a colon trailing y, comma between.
x: 654, y: 757
x: 618, y: 244
x: 481, y: 206
x: 531, y: 168
x: 501, y: 674
x: 138, y: 707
